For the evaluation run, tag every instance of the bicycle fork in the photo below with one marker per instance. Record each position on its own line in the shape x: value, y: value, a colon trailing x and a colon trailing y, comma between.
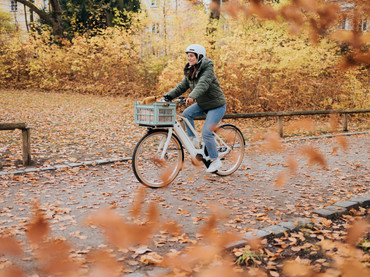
x: 164, y: 144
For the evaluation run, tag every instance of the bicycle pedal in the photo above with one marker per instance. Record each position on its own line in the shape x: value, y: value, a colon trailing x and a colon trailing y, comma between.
x: 207, y: 163
x: 196, y: 162
x: 199, y: 157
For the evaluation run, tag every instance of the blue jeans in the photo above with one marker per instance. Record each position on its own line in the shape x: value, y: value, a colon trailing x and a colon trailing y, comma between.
x: 213, y: 117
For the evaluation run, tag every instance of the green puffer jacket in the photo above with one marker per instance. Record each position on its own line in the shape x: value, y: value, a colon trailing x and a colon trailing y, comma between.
x: 205, y: 88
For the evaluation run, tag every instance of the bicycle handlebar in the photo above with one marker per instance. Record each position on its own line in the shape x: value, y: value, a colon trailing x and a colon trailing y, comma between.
x: 180, y: 100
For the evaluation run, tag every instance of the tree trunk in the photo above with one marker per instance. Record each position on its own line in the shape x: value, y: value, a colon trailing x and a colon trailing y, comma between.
x: 55, y: 19
x: 57, y: 15
x: 25, y: 18
x: 120, y: 4
x: 214, y: 16
x: 215, y: 9
x: 31, y: 16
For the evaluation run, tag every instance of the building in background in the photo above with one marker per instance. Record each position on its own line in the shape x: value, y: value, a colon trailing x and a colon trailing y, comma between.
x: 22, y: 16
x: 159, y: 9
x: 346, y: 18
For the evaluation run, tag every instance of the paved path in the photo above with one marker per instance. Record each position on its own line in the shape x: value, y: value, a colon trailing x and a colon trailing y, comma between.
x: 249, y: 196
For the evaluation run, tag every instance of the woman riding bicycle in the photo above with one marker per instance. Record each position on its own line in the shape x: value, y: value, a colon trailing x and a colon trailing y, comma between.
x: 206, y: 91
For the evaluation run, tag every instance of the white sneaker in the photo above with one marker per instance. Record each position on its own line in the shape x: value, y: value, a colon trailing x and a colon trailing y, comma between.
x: 216, y: 164
x: 195, y: 142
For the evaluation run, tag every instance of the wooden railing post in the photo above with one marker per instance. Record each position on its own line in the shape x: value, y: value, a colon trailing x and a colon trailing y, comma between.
x: 26, y: 138
x: 345, y: 122
x: 26, y: 145
x: 281, y: 114
x: 280, y: 126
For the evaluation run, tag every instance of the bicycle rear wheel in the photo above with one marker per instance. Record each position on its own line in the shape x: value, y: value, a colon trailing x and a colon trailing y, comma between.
x: 153, y: 166
x: 232, y: 155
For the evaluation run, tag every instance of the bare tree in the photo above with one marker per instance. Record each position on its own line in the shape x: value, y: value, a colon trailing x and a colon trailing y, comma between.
x: 215, y: 8
x: 55, y: 18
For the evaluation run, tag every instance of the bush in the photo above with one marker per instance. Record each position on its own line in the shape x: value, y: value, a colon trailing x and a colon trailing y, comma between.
x: 6, y: 25
x: 259, y: 65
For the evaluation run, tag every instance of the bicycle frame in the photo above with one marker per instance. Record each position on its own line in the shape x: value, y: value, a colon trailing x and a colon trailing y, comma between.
x: 181, y: 134
x: 159, y: 155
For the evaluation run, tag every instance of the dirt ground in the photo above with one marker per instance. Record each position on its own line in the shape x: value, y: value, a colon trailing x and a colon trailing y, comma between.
x: 273, y: 184
x: 250, y: 198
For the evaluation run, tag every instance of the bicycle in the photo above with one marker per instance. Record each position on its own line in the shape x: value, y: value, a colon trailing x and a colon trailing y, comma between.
x: 159, y: 155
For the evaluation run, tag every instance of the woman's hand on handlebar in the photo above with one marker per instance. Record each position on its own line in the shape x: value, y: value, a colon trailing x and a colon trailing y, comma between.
x: 166, y: 98
x: 180, y: 100
x: 189, y: 101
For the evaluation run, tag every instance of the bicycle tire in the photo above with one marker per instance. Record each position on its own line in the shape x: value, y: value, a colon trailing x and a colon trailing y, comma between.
x: 232, y: 159
x: 148, y: 167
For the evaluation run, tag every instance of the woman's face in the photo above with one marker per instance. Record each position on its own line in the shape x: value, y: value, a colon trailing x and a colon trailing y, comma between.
x: 192, y: 58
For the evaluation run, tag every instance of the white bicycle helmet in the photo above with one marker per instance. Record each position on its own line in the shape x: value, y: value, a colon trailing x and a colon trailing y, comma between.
x: 196, y: 49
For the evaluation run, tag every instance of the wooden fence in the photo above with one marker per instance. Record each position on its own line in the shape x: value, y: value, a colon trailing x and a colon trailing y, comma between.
x: 26, y: 138
x: 26, y: 134
x: 281, y: 115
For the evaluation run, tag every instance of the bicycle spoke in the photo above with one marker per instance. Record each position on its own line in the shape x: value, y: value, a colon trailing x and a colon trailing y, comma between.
x: 154, y: 164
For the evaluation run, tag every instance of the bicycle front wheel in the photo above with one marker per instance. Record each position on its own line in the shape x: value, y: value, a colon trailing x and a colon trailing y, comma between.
x: 232, y: 153
x: 157, y: 159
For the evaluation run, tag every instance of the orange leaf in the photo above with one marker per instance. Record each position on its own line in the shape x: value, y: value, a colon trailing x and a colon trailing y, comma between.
x: 202, y: 253
x: 9, y: 245
x: 12, y: 271
x: 357, y: 230
x: 309, y: 5
x: 334, y: 151
x: 231, y: 7
x: 173, y: 228
x: 54, y: 258
x: 326, y: 222
x: 272, y: 142
x: 196, y: 162
x: 314, y: 156
x: 153, y: 213
x: 104, y: 264
x: 342, y: 36
x: 342, y: 141
x: 166, y: 173
x: 333, y: 122
x: 296, y: 269
x: 120, y: 233
x: 38, y: 228
x: 138, y: 202
x: 214, y: 128
x: 281, y: 179
x: 151, y: 258
x: 292, y: 165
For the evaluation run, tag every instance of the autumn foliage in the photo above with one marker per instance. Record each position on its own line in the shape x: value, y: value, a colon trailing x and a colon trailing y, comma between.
x: 268, y: 57
x: 205, y: 257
